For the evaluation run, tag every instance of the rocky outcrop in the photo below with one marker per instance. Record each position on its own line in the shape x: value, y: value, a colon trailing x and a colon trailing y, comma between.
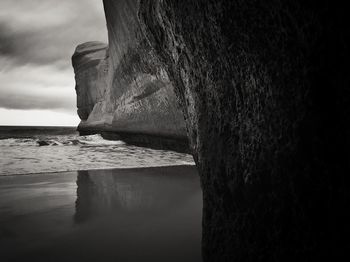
x: 264, y: 90
x: 90, y: 63
x: 123, y: 91
x: 264, y: 87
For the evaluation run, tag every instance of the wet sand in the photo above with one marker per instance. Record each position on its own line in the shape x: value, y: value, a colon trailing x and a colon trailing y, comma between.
x: 145, y: 214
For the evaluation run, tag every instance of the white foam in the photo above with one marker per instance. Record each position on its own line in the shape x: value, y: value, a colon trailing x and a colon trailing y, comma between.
x: 98, y: 140
x: 25, y: 156
x: 18, y: 142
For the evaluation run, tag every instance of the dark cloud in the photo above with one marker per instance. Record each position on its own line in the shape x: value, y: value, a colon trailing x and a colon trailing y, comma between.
x: 19, y: 101
x: 7, y: 41
x: 47, y: 31
x: 37, y: 40
x: 31, y: 47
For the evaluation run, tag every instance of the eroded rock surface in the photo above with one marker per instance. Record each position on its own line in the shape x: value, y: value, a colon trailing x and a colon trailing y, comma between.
x: 264, y: 89
x: 90, y: 63
x: 123, y: 91
x: 264, y: 86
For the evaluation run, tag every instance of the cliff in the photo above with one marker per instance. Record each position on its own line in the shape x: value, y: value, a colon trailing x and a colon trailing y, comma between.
x: 122, y: 90
x: 264, y: 90
x: 264, y: 86
x: 91, y: 70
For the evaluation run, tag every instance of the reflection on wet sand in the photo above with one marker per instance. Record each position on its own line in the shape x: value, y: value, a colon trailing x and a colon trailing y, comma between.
x: 146, y: 214
x: 149, y: 214
x: 136, y: 190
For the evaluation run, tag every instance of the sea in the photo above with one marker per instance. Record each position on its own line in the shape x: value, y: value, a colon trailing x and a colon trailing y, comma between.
x: 36, y: 149
x: 65, y: 197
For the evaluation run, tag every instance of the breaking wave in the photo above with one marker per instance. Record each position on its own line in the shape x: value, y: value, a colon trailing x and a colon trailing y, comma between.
x: 92, y: 140
x: 50, y: 153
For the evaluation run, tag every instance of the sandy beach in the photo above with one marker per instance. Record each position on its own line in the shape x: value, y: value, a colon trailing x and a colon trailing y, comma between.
x: 143, y: 214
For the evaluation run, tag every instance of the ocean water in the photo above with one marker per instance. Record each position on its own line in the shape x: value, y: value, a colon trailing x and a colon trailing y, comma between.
x: 27, y: 150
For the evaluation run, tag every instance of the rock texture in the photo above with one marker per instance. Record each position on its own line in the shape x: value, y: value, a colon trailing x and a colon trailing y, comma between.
x: 264, y: 90
x: 91, y: 71
x: 264, y: 87
x: 122, y: 90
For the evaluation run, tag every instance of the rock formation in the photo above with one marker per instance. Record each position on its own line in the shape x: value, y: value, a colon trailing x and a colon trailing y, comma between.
x: 264, y: 86
x: 91, y: 70
x: 264, y: 89
x: 122, y: 91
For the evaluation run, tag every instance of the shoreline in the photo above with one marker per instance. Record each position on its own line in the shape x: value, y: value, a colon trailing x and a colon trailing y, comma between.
x: 97, y: 169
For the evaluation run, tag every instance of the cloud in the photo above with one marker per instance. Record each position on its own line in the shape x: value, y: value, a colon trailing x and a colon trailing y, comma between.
x: 47, y: 31
x: 37, y: 87
x: 37, y: 40
x: 33, y: 102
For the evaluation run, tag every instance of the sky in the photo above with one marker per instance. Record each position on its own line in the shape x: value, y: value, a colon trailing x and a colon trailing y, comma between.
x: 37, y: 40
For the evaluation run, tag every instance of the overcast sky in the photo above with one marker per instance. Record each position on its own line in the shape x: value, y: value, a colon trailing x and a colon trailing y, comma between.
x: 37, y: 40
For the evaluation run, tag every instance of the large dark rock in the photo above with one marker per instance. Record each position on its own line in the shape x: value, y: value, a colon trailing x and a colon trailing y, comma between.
x: 122, y: 89
x: 264, y: 87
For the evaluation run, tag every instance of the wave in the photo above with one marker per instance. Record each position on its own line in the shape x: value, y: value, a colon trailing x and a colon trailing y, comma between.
x: 58, y: 153
x: 98, y: 140
x: 18, y: 142
x: 91, y: 140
